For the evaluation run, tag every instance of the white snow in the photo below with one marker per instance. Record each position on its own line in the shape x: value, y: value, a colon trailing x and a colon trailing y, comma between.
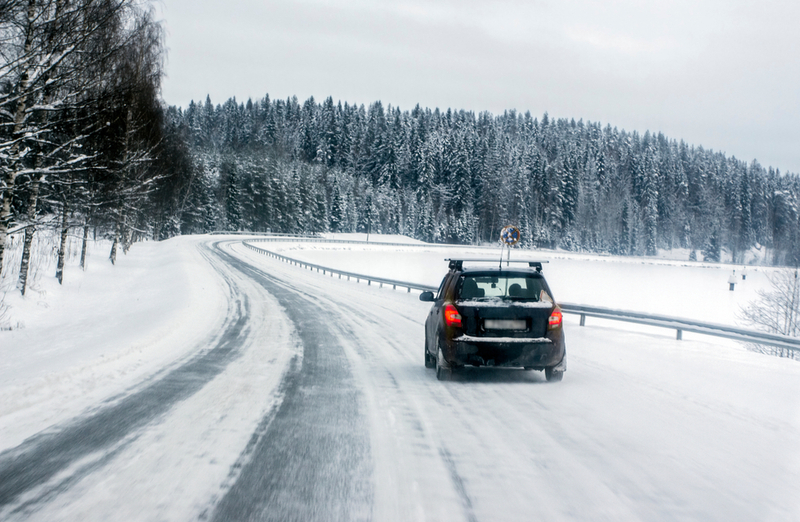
x: 643, y: 427
x: 682, y: 289
x: 375, y: 238
x: 103, y: 331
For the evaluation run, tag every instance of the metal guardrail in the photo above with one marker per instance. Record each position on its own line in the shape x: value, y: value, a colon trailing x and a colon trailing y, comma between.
x: 289, y: 238
x: 680, y: 325
x: 278, y: 235
x: 341, y: 273
x: 683, y: 325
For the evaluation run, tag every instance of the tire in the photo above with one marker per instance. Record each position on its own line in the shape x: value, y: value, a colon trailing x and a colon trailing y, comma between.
x: 443, y: 370
x: 553, y: 375
x: 430, y: 361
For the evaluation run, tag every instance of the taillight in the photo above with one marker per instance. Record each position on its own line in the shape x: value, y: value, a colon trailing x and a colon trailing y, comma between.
x: 451, y: 316
x: 555, y: 319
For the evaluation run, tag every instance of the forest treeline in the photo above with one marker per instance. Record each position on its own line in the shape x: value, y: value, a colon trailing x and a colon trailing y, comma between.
x: 87, y: 146
x: 459, y: 177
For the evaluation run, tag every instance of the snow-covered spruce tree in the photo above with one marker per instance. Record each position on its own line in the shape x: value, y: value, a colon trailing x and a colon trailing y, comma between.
x: 231, y: 195
x: 338, y: 208
x: 712, y: 250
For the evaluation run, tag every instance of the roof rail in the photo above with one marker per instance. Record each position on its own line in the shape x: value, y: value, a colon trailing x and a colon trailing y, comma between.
x: 457, y: 264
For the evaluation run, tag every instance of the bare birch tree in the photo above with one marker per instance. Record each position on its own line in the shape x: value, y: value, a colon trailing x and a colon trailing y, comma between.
x: 777, y: 310
x: 64, y: 64
x: 46, y: 45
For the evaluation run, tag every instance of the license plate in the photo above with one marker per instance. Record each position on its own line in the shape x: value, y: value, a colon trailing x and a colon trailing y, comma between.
x: 505, y: 324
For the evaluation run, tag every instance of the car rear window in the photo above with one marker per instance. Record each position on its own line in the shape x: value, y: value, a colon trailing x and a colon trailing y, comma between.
x: 511, y: 286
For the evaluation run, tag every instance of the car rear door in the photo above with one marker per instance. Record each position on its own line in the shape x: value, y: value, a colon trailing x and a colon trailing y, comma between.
x: 488, y: 311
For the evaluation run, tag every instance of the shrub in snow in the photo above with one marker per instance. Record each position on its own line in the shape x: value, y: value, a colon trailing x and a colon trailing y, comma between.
x: 777, y: 310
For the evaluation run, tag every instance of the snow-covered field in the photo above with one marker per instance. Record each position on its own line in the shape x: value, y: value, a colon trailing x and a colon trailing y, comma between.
x: 643, y: 427
x: 693, y: 290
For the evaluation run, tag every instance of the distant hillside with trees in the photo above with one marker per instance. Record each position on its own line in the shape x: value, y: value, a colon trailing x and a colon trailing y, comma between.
x: 459, y: 177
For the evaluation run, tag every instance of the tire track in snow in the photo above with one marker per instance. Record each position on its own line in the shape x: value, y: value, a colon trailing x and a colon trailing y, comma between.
x: 52, y: 454
x: 411, y: 416
x: 312, y: 462
x: 347, y: 321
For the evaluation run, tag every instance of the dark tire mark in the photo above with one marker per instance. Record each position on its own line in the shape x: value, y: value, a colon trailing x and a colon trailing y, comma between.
x: 313, y: 461
x: 458, y: 483
x: 41, y: 457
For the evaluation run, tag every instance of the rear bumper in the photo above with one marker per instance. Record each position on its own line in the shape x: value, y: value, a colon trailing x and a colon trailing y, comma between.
x: 532, y: 353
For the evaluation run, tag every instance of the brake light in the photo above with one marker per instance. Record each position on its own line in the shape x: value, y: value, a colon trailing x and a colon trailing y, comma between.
x: 555, y: 319
x: 451, y: 316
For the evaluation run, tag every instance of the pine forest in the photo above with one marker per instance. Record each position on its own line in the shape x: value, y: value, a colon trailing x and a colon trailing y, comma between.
x: 459, y: 177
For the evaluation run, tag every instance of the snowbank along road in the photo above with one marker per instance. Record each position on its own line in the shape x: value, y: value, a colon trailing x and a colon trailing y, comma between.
x: 310, y: 401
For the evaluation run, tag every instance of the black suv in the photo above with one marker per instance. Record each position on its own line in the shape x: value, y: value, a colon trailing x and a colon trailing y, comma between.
x: 494, y: 317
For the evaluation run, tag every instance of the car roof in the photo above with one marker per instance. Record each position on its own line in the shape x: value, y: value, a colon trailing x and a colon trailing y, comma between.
x: 527, y: 272
x: 457, y: 264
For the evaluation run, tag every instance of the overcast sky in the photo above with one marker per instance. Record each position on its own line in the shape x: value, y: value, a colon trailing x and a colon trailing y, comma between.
x: 724, y: 74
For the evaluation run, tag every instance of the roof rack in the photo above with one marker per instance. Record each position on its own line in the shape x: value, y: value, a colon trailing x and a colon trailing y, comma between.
x: 457, y: 264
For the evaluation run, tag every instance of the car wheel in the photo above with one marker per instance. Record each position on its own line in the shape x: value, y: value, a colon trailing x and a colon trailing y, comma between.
x: 430, y: 362
x: 443, y: 370
x: 553, y: 375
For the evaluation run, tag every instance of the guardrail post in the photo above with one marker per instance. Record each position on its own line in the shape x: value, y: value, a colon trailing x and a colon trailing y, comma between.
x: 409, y: 290
x: 583, y: 319
x: 680, y: 335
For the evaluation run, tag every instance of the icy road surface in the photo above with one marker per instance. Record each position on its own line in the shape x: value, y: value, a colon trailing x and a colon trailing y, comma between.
x: 309, y: 401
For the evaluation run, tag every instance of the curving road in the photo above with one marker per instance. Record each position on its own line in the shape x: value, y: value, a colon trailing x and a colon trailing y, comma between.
x: 312, y: 403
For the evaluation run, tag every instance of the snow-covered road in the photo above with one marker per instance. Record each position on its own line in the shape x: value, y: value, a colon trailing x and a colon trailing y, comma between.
x: 311, y: 402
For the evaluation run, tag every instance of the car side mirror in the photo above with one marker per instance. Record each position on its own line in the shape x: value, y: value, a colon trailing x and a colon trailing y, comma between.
x: 426, y: 296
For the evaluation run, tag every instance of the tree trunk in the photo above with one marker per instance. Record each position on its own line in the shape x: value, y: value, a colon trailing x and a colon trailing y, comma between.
x: 117, y: 237
x: 113, y: 255
x: 84, y: 244
x: 127, y: 238
x: 22, y: 283
x: 5, y: 217
x: 63, y: 248
x: 24, y: 264
x: 20, y: 117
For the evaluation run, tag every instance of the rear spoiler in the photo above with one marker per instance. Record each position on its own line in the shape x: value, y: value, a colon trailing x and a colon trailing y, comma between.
x: 457, y: 264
